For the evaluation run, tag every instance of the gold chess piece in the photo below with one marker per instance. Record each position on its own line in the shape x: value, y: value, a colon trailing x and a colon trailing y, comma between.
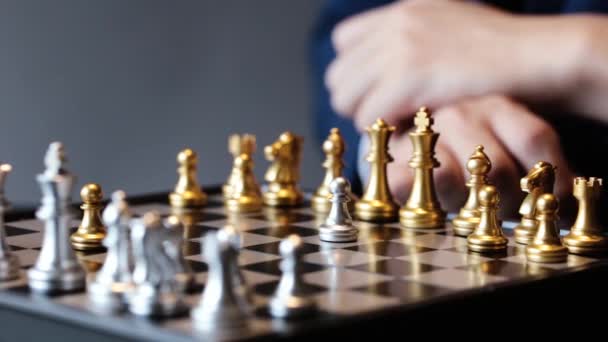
x: 538, y: 181
x: 478, y: 165
x: 422, y: 209
x: 333, y: 148
x: 585, y: 236
x: 187, y: 193
x: 488, y: 236
x: 284, y: 172
x: 546, y: 246
x: 246, y: 195
x: 377, y: 203
x: 237, y: 146
x: 91, y: 231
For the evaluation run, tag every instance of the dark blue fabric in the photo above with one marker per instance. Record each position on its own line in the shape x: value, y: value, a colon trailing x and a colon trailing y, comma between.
x: 569, y: 127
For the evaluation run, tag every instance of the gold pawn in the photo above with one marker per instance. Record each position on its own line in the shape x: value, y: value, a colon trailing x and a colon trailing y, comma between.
x: 91, y: 231
x: 538, y: 181
x: 377, y: 203
x: 478, y: 165
x: 546, y: 246
x: 187, y: 193
x: 333, y: 148
x: 237, y: 145
x: 284, y: 172
x: 585, y: 236
x: 246, y: 196
x: 422, y: 209
x: 488, y: 236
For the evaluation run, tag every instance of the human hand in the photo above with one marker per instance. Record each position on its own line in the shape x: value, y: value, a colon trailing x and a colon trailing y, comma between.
x: 513, y: 137
x: 396, y: 58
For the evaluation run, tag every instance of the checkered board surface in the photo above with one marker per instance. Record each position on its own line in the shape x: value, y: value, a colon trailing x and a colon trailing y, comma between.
x: 388, y: 266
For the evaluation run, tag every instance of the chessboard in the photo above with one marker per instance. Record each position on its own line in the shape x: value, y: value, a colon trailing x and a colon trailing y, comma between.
x: 388, y: 272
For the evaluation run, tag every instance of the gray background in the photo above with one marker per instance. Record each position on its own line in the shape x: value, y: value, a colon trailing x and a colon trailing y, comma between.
x: 127, y: 84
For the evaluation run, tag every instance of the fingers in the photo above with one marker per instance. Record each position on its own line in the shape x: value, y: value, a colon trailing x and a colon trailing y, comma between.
x: 468, y: 132
x: 399, y: 173
x: 531, y: 139
x: 351, y: 30
x: 385, y: 99
x: 352, y: 74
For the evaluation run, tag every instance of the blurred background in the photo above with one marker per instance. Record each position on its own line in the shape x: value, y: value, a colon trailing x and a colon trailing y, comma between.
x: 125, y: 85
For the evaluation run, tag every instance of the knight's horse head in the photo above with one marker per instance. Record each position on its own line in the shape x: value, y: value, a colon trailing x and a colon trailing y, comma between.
x: 287, y: 147
x: 541, y: 176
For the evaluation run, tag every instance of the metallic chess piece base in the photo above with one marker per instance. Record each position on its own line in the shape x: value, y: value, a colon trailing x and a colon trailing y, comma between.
x: 145, y: 301
x: 487, y: 244
x: 464, y: 226
x: 588, y: 244
x: 109, y: 298
x: 9, y: 268
x: 283, y: 197
x: 84, y: 241
x: 525, y: 231
x: 187, y: 199
x: 244, y: 204
x: 227, y: 318
x: 338, y: 233
x: 421, y: 218
x: 465, y: 223
x: 62, y: 280
x: 292, y: 307
x: 376, y: 211
x: 546, y: 253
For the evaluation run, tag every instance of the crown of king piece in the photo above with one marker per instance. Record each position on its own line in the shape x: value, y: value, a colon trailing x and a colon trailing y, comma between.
x: 423, y: 120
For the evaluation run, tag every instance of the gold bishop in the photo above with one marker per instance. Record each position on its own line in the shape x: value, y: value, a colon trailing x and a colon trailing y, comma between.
x: 422, y: 209
x: 91, y: 231
x: 187, y: 193
x: 479, y: 166
x: 333, y: 148
x: 586, y: 236
x: 377, y: 203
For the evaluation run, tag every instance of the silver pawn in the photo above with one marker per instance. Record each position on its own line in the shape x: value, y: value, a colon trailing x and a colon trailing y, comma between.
x: 173, y: 246
x: 56, y: 269
x: 219, y: 308
x: 9, y: 263
x: 113, y: 281
x: 156, y: 292
x: 288, y: 300
x: 338, y: 226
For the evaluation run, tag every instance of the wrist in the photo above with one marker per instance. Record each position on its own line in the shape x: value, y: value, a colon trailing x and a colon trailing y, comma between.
x: 552, y: 59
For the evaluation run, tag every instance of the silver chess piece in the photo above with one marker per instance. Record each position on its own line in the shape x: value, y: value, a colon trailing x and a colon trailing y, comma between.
x: 9, y: 263
x: 242, y: 291
x: 338, y: 226
x: 112, y: 283
x: 57, y: 269
x: 288, y: 300
x: 173, y: 247
x: 220, y: 308
x: 156, y: 291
